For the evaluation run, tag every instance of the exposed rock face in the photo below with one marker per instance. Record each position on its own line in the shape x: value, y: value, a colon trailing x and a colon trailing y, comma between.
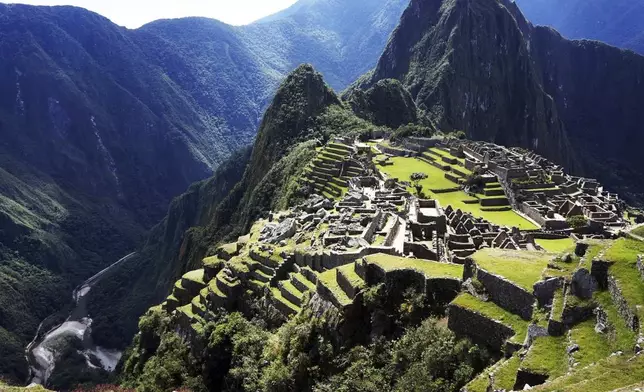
x: 479, y: 66
x: 468, y: 66
x: 387, y: 102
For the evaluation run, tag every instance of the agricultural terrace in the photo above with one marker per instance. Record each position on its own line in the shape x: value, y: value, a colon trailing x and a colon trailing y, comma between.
x: 403, y: 167
x: 524, y: 268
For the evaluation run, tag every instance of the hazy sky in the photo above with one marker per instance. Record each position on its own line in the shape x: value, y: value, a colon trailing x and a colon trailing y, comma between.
x: 135, y: 13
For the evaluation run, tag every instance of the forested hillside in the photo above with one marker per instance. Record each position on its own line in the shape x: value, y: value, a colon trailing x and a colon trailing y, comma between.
x: 615, y: 22
x: 101, y: 127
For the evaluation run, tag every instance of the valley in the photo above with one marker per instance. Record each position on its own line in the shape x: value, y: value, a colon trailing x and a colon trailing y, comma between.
x: 381, y: 195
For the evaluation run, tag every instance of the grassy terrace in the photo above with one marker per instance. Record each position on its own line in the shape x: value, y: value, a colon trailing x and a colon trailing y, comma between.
x: 275, y: 292
x: 521, y: 267
x: 639, y: 231
x: 506, y: 375
x: 547, y: 356
x: 328, y: 279
x: 557, y: 246
x: 593, y: 347
x: 623, y: 252
x: 349, y: 272
x: 492, y: 311
x: 431, y: 269
x: 195, y: 276
x: 504, y: 372
x: 621, y: 338
x: 595, y: 248
x: 607, y: 375
x: 402, y: 168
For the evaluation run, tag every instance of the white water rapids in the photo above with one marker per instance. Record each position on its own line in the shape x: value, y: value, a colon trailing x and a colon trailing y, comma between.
x: 42, y: 351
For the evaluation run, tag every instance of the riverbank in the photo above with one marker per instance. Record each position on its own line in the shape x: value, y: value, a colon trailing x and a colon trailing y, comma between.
x: 44, y: 350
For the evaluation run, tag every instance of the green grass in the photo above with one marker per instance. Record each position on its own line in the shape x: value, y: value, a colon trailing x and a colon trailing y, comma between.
x: 212, y: 262
x: 595, y: 247
x: 402, y: 168
x: 558, y: 305
x: 492, y: 311
x: 310, y: 285
x: 278, y: 296
x: 547, y: 356
x: 506, y: 375
x: 348, y: 271
x: 212, y: 286
x: 431, y: 269
x: 557, y: 246
x: 639, y: 231
x: 607, y: 375
x: 379, y: 240
x: 480, y: 383
x: 622, y: 338
x: 623, y: 253
x: 288, y: 286
x: 593, y: 347
x: 195, y: 276
x: 521, y: 267
x: 328, y: 279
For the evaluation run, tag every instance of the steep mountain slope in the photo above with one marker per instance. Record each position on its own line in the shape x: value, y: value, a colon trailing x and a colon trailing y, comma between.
x: 304, y: 109
x: 100, y: 127
x: 616, y: 22
x: 479, y: 66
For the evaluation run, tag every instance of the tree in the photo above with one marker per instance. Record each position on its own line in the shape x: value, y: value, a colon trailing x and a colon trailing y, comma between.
x: 416, y: 178
x: 577, y: 221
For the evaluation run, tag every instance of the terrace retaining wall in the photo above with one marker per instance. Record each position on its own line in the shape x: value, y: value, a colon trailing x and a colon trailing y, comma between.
x: 506, y: 294
x: 466, y: 322
x: 627, y: 311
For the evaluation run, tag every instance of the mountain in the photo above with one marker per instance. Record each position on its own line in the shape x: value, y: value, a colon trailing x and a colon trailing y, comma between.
x: 247, y: 187
x: 101, y: 127
x: 616, y: 22
x: 481, y: 67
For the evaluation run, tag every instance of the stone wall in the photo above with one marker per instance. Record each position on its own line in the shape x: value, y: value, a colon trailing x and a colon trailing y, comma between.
x: 423, y: 141
x: 344, y: 283
x: 628, y: 312
x: 506, y: 294
x: 545, y: 290
x: 599, y: 271
x: 640, y: 265
x: 500, y: 201
x: 372, y: 227
x: 442, y: 290
x: 391, y: 236
x: 583, y: 284
x: 465, y: 322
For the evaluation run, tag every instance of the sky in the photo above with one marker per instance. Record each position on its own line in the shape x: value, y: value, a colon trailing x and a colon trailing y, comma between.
x: 135, y: 13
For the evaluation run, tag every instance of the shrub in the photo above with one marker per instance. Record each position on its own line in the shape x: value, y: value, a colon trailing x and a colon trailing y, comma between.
x: 577, y: 222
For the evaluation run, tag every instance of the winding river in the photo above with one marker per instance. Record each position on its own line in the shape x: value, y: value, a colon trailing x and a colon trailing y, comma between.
x: 42, y: 352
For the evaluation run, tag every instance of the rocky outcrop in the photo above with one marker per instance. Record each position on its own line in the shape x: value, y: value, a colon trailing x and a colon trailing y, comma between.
x: 479, y: 66
x: 386, y: 103
x: 468, y: 66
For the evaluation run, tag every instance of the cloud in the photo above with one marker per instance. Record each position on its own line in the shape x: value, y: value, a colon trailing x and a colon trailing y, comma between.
x: 135, y: 13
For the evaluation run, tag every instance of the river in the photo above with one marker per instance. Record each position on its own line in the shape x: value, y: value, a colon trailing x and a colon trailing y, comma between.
x: 42, y: 352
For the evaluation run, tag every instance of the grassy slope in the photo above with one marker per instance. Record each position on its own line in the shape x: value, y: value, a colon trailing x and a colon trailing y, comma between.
x: 557, y: 246
x: 624, y: 254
